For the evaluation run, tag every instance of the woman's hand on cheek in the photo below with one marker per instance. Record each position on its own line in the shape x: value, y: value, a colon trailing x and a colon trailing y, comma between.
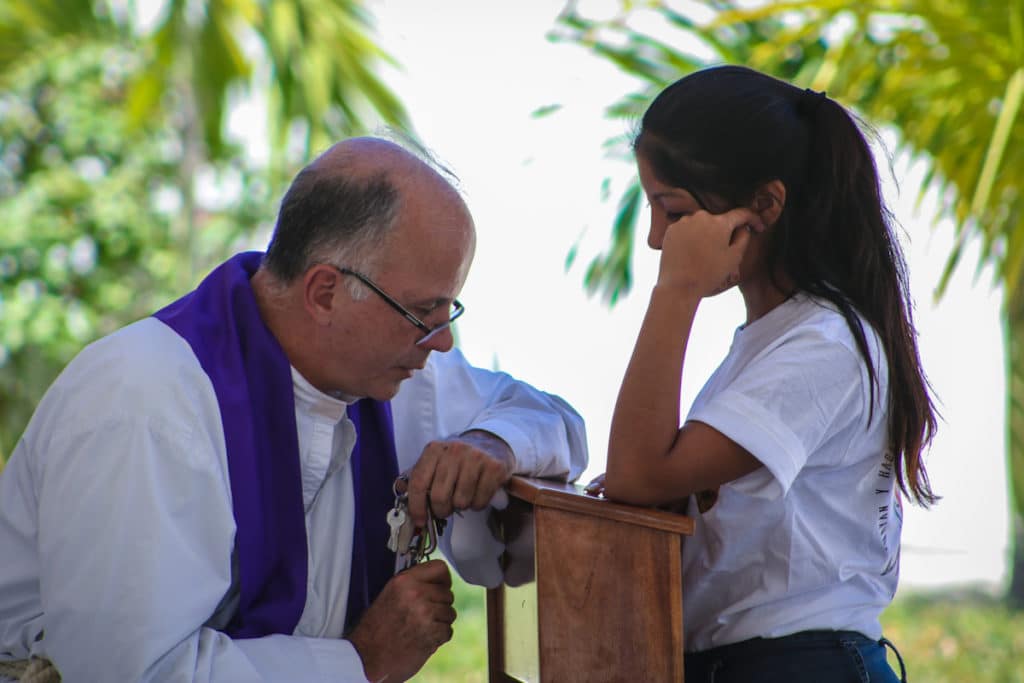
x: 701, y: 253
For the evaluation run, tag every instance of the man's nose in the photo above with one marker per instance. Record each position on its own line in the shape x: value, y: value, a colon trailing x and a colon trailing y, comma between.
x: 443, y: 341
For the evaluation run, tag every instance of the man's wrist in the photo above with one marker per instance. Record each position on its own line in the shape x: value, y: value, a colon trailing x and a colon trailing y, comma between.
x: 493, y: 445
x: 370, y: 669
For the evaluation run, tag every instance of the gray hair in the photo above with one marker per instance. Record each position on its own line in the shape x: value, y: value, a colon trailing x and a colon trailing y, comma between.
x: 326, y: 217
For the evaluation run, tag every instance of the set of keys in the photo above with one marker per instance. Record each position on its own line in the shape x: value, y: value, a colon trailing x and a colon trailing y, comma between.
x: 412, y: 544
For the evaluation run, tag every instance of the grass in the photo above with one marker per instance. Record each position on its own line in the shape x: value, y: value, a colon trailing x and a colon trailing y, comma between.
x: 463, y: 659
x: 964, y: 637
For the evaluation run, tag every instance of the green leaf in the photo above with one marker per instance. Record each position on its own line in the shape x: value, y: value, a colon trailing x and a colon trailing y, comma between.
x: 611, y: 273
x: 546, y: 110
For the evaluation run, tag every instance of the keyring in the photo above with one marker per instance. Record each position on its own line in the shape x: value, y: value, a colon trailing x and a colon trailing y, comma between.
x: 404, y: 478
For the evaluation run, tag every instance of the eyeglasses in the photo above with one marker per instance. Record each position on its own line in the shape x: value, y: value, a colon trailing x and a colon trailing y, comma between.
x: 429, y: 332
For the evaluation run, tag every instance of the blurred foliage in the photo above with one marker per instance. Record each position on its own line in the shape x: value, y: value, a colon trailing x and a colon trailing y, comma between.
x: 947, y: 76
x: 656, y: 61
x: 943, y: 639
x: 119, y: 186
x: 315, y: 61
x: 956, y: 638
x: 88, y: 206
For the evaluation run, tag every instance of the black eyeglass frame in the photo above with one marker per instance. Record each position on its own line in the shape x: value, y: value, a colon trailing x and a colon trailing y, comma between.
x: 428, y: 331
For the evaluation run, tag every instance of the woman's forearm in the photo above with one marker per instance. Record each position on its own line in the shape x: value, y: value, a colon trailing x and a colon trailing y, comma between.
x: 645, y: 422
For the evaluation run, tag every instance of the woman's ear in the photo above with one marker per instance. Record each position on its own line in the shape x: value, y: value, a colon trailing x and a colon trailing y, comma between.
x: 769, y: 200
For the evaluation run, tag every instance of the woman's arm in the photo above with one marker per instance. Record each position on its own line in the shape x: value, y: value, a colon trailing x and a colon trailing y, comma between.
x: 651, y: 460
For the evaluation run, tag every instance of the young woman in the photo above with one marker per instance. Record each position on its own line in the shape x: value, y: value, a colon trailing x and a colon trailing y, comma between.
x: 804, y: 438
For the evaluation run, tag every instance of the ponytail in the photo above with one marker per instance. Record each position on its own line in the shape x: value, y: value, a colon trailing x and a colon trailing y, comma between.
x: 852, y: 259
x: 727, y: 130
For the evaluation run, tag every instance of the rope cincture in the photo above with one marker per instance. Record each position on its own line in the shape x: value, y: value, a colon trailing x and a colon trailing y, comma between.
x: 35, y: 670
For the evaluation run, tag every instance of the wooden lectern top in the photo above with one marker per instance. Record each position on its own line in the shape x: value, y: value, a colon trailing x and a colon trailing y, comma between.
x: 561, y: 495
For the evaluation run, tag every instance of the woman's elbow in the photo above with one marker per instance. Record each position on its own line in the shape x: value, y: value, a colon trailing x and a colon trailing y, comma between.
x: 626, y: 489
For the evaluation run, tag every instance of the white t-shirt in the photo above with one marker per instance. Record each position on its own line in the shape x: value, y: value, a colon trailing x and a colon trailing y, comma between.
x: 116, y: 525
x: 810, y: 540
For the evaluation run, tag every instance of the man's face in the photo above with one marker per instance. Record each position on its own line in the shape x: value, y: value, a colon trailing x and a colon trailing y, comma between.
x: 372, y: 348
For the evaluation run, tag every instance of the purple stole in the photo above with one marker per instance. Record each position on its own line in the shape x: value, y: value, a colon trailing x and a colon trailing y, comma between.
x: 252, y: 380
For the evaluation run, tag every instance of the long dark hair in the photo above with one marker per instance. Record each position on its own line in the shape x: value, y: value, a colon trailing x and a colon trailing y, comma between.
x: 725, y: 131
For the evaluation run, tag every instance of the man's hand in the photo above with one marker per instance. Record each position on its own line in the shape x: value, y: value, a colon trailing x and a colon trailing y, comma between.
x: 408, y: 621
x: 459, y: 473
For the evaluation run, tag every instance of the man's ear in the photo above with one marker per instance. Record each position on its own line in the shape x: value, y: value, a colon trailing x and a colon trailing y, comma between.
x: 319, y: 286
x: 769, y: 200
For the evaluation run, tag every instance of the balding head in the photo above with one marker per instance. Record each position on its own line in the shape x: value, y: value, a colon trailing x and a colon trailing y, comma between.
x: 366, y: 156
x: 343, y: 206
x: 367, y: 211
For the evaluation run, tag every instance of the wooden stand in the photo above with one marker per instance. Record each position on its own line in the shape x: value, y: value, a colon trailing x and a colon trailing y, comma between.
x: 593, y: 590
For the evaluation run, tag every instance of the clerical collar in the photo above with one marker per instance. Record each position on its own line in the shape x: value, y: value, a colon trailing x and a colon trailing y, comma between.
x: 315, y: 401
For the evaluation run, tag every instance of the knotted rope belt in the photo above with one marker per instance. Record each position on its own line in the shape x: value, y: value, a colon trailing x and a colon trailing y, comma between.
x: 33, y: 670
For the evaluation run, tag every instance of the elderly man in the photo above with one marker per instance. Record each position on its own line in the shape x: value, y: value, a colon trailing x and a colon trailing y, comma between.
x: 202, y: 495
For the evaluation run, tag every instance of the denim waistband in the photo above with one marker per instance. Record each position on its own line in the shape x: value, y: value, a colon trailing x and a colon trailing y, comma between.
x: 757, y: 645
x: 803, y: 639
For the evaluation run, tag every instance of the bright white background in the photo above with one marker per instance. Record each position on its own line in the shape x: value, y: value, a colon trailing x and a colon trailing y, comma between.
x: 472, y: 74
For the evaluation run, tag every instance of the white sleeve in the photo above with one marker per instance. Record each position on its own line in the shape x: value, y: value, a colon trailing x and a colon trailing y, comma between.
x: 135, y: 555
x: 135, y: 531
x: 450, y: 396
x: 786, y: 402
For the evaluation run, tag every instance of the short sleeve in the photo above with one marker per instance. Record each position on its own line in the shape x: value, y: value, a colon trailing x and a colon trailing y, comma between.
x: 784, y: 403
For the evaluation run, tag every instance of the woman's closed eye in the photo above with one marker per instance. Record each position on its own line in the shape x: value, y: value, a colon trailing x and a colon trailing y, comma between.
x: 672, y: 214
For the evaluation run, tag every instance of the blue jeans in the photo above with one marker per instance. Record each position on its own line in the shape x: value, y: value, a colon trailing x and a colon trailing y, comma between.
x: 805, y: 657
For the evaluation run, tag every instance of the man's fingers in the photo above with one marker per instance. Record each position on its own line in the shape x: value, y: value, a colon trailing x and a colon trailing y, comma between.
x: 431, y: 601
x: 446, y: 478
x: 469, y: 491
x: 454, y: 475
x: 442, y: 634
x: 445, y: 614
x: 495, y: 465
x: 434, y: 572
x: 415, y: 611
x: 493, y: 476
x: 420, y: 483
x: 434, y: 608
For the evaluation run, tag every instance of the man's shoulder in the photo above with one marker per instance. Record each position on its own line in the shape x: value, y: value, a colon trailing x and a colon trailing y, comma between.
x: 140, y: 380
x: 147, y: 349
x: 144, y: 367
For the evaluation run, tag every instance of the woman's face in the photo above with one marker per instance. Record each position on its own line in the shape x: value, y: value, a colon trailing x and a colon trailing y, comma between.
x: 669, y: 204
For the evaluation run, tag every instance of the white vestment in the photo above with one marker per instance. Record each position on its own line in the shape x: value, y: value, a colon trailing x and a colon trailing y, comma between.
x: 116, y: 524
